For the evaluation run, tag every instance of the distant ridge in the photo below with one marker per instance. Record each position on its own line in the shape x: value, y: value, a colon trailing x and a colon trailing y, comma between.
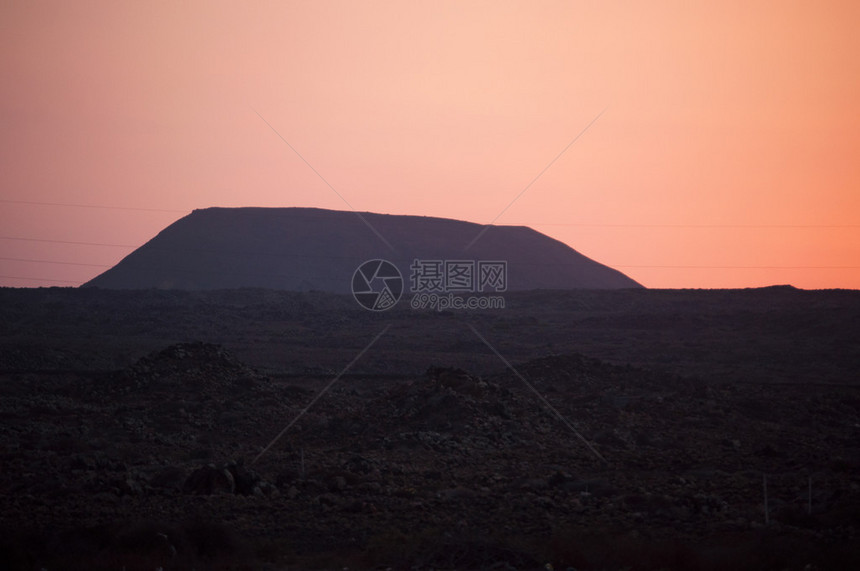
x: 302, y: 249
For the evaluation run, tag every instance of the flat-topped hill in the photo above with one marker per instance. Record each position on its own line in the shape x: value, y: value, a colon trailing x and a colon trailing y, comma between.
x: 302, y: 249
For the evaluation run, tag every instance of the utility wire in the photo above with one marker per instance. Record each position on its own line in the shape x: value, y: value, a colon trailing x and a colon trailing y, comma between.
x: 65, y: 204
x: 56, y: 262
x: 67, y: 242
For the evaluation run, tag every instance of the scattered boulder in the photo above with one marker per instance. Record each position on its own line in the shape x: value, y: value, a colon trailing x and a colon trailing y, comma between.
x: 246, y: 480
x: 230, y: 478
x: 208, y: 480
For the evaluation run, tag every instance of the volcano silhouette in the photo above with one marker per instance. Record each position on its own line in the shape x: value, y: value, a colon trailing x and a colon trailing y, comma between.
x: 301, y: 249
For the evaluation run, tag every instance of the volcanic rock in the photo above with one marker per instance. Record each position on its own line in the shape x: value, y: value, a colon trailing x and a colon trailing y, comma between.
x: 208, y: 480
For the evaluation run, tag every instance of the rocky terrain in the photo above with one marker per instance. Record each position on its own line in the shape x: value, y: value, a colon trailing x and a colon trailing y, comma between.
x: 170, y: 460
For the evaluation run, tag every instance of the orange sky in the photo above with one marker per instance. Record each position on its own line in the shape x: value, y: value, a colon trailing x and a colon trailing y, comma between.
x: 727, y: 155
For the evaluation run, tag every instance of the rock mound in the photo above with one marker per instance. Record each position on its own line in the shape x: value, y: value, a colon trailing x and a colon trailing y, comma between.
x: 187, y: 367
x: 447, y: 399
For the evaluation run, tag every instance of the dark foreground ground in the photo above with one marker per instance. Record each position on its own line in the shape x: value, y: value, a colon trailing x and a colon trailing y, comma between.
x: 700, y: 430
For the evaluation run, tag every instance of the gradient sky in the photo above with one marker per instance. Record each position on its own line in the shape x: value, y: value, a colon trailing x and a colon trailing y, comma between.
x: 726, y: 154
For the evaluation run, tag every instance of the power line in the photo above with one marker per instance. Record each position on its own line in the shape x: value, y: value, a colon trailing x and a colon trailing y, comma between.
x: 194, y: 250
x: 56, y: 262
x: 714, y: 226
x: 38, y: 279
x: 268, y: 254
x: 317, y: 256
x: 68, y: 242
x: 6, y: 201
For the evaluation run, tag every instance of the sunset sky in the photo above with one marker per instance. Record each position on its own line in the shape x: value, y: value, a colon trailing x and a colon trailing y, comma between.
x: 725, y: 150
